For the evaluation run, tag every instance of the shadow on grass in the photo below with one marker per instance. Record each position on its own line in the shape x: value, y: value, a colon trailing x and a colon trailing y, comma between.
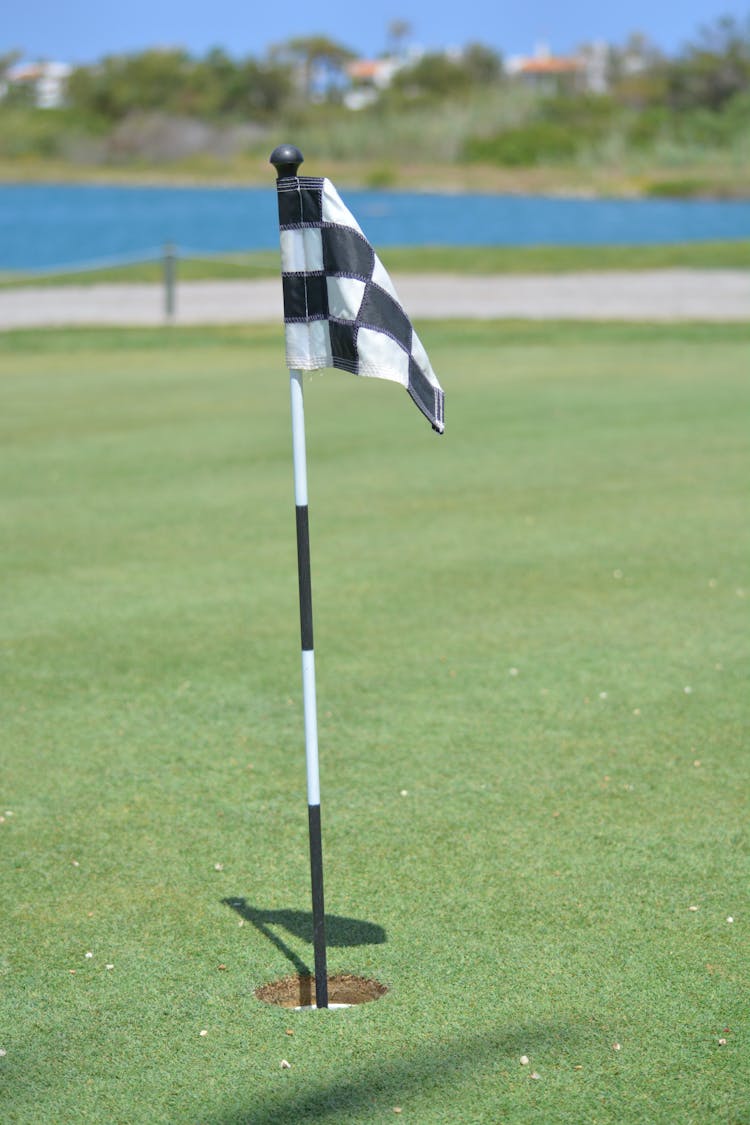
x: 369, y: 1090
x: 340, y: 932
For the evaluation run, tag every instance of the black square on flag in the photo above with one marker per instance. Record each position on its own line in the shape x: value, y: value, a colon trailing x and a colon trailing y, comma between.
x: 300, y: 205
x: 346, y: 252
x: 305, y: 296
x: 344, y: 346
x: 379, y: 310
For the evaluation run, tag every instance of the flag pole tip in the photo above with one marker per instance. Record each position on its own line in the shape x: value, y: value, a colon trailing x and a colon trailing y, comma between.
x: 286, y: 159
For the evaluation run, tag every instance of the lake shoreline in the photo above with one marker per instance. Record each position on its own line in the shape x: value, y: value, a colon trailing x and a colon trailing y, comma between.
x: 563, y: 182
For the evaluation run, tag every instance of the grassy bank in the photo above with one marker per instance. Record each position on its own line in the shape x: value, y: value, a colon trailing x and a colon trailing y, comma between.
x: 465, y: 260
x: 532, y: 642
x: 722, y: 177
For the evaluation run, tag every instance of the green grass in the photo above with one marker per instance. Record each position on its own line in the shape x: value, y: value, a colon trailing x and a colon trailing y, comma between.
x: 584, y: 522
x: 564, y: 259
x: 430, y: 259
x: 240, y: 267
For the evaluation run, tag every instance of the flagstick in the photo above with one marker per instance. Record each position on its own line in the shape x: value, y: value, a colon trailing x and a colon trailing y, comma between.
x: 308, y: 687
x: 286, y: 159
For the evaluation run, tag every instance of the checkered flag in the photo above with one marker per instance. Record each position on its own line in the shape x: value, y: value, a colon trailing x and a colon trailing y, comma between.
x: 340, y: 306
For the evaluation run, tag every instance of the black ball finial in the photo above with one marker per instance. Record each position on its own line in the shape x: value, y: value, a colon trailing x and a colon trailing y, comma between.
x: 286, y: 159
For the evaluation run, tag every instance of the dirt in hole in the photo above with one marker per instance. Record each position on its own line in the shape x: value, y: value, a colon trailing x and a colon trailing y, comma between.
x: 343, y: 988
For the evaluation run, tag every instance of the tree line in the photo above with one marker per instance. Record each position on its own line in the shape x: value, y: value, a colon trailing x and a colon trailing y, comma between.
x: 706, y: 74
x: 699, y: 97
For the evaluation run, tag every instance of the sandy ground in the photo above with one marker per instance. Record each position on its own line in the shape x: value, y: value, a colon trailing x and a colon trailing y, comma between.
x: 661, y: 295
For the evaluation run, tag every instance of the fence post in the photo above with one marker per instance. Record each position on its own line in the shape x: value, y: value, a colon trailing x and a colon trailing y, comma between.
x: 169, y: 269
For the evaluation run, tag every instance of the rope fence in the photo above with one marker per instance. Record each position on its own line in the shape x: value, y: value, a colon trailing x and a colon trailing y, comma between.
x: 168, y: 255
x: 91, y: 266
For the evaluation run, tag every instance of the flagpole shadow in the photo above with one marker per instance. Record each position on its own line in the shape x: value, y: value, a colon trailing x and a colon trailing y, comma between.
x: 340, y: 932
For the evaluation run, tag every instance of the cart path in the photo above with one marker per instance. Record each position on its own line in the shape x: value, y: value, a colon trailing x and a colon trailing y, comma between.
x: 647, y: 295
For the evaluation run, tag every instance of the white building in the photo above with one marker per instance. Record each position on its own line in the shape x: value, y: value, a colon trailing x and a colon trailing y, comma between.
x: 47, y: 81
x: 369, y: 77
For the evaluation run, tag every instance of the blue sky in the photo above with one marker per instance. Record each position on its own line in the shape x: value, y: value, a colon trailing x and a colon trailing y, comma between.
x: 83, y: 30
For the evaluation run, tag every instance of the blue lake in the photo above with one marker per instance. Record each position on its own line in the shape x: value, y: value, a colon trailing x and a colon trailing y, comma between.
x: 43, y: 225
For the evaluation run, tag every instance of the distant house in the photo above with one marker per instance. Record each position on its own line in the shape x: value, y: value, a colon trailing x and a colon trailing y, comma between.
x: 46, y: 82
x: 368, y: 77
x: 548, y: 73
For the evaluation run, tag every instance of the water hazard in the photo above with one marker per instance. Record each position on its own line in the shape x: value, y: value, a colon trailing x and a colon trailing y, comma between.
x: 45, y: 225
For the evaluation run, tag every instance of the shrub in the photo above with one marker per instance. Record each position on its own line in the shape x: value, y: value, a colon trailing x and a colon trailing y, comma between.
x: 679, y: 189
x: 29, y: 132
x: 559, y: 129
x: 534, y: 143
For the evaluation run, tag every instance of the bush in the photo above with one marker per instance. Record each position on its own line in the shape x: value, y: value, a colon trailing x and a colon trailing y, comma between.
x: 590, y: 112
x: 558, y: 130
x: 687, y: 188
x: 383, y: 176
x: 535, y: 143
x: 29, y: 132
x: 644, y: 129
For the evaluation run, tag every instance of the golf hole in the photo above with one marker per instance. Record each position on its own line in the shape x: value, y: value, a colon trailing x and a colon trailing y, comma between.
x: 344, y: 990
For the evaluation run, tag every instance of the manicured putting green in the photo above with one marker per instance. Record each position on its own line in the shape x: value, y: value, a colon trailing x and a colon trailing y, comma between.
x: 532, y: 645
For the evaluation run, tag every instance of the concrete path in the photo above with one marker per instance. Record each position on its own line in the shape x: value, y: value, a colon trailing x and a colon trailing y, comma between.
x: 661, y: 295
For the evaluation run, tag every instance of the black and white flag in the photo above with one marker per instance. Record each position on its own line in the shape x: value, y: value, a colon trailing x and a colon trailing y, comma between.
x: 340, y: 306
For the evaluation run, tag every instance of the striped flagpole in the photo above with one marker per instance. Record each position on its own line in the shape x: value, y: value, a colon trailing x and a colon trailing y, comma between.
x: 286, y: 159
x: 308, y: 687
